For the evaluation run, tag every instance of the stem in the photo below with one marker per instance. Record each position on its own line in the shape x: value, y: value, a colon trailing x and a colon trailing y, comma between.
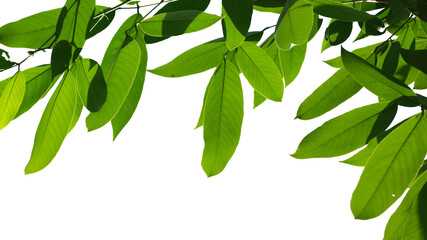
x: 148, y: 5
x: 154, y: 8
x: 109, y: 10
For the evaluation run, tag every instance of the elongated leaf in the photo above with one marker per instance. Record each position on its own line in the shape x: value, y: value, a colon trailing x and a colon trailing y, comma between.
x: 237, y: 19
x: 336, y: 33
x: 11, y: 99
x: 223, y: 119
x: 195, y: 60
x: 420, y: 79
x: 129, y: 106
x: 416, y: 58
x: 364, y: 53
x: 177, y: 23
x: 295, y: 24
x: 375, y: 80
x: 334, y: 91
x: 337, y: 10
x: 390, y: 169
x: 347, y: 132
x: 91, y: 85
x: 119, y: 79
x: 202, y: 112
x: 258, y: 99
x: 60, y: 58
x: 291, y: 62
x: 260, y: 70
x: 269, y: 3
x: 57, y: 120
x: 408, y: 222
x: 100, y: 21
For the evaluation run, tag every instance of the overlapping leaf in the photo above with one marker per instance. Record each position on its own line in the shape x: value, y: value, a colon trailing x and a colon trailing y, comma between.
x: 340, y: 11
x: 11, y: 98
x: 291, y: 62
x: 237, y: 19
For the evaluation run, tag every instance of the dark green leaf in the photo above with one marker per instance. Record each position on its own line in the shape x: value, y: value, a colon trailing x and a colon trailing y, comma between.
x: 416, y: 58
x: 336, y: 33
x: 269, y: 3
x: 398, y: 10
x: 291, y: 61
x: 60, y: 58
x: 339, y: 11
x: 237, y: 19
x: 4, y: 61
x: 100, y: 21
x: 11, y: 98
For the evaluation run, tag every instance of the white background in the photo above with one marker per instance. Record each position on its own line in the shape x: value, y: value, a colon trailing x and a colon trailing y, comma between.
x: 149, y: 184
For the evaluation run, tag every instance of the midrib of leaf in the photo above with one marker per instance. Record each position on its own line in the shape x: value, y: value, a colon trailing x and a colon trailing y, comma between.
x: 37, y: 76
x: 179, y: 20
x: 389, y: 166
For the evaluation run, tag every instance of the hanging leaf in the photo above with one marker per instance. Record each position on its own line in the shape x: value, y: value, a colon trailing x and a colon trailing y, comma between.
x: 223, y: 116
x: 202, y: 112
x: 420, y: 80
x: 398, y: 10
x: 336, y: 33
x: 339, y: 11
x: 390, y: 169
x: 334, y: 91
x: 195, y: 60
x: 347, y: 132
x: 365, y: 53
x: 375, y: 80
x: 177, y: 23
x: 258, y: 99
x: 295, y: 24
x: 11, y: 98
x: 416, y: 58
x: 270, y: 47
x: 58, y: 119
x: 237, y: 19
x: 119, y: 79
x: 291, y: 62
x: 260, y: 71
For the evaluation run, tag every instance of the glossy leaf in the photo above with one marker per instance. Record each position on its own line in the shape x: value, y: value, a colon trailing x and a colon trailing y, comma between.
x: 375, y: 80
x: 11, y: 98
x: 334, y: 91
x: 260, y: 71
x: 295, y: 24
x: 177, y: 23
x: 347, y: 132
x: 339, y: 11
x: 237, y: 19
x: 416, y: 58
x: 119, y: 79
x: 223, y: 119
x: 195, y: 60
x: 390, y: 169
x: 58, y: 119
x: 291, y: 62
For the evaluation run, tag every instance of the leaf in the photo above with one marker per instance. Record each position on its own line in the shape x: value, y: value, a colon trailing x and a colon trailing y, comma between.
x: 295, y: 24
x: 129, y: 106
x: 339, y: 11
x: 177, y: 23
x: 347, y: 132
x: 390, y: 169
x: 5, y: 63
x: 237, y: 19
x: 58, y: 119
x: 408, y: 221
x: 195, y: 60
x: 270, y: 47
x: 60, y: 58
x: 420, y: 80
x: 269, y: 3
x: 291, y: 62
x: 416, y: 58
x: 375, y: 80
x: 223, y: 119
x: 336, y: 33
x: 334, y: 91
x: 364, y: 53
x: 258, y: 99
x: 91, y: 85
x: 260, y: 71
x: 119, y: 79
x: 202, y: 112
x: 398, y: 10
x: 100, y: 21
x: 11, y: 98
x: 277, y: 10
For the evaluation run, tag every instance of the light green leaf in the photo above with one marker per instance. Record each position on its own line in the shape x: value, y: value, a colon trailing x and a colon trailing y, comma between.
x: 291, y: 61
x: 334, y: 91
x: 59, y: 117
x: 260, y: 71
x: 195, y: 60
x: 340, y: 11
x: 258, y: 99
x: 347, y: 132
x: 375, y: 80
x: 119, y: 79
x: 177, y: 23
x: 295, y: 24
x: 237, y: 19
x: 390, y: 169
x: 11, y: 98
x: 408, y: 221
x: 202, y: 112
x: 420, y: 80
x: 223, y: 116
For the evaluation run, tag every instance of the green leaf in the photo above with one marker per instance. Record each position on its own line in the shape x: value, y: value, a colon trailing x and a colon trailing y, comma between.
x: 339, y: 11
x: 100, y: 21
x: 177, y: 23
x: 202, y: 112
x: 390, y: 169
x: 91, y: 85
x: 5, y: 63
x: 60, y: 58
x: 347, y: 132
x: 416, y: 58
x: 336, y: 33
x: 237, y: 19
x: 295, y: 24
x: 364, y: 53
x: 277, y: 10
x: 258, y: 99
x: 129, y: 106
x: 375, y: 80
x: 270, y: 47
x: 291, y: 61
x: 398, y: 10
x: 269, y: 3
x: 223, y: 119
x: 11, y: 98
x: 58, y: 119
x: 408, y: 221
x: 334, y: 91
x: 195, y: 60
x: 260, y: 71
x: 119, y: 79
x: 420, y: 80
